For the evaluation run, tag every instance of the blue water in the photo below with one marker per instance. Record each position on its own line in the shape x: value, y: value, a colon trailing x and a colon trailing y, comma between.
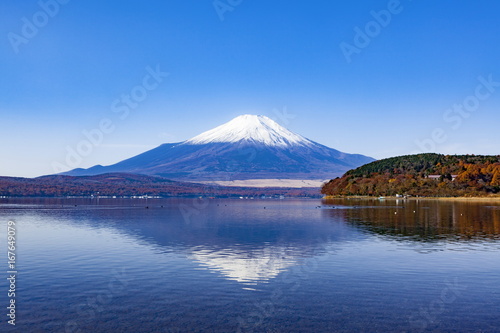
x: 191, y: 265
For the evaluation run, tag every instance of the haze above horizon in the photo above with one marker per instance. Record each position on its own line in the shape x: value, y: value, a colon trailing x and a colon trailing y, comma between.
x: 378, y: 78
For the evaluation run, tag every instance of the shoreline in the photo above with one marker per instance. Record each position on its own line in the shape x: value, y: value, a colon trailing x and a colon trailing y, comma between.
x: 488, y: 198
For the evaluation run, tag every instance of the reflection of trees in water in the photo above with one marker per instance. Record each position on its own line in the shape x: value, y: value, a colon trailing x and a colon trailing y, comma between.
x: 422, y: 220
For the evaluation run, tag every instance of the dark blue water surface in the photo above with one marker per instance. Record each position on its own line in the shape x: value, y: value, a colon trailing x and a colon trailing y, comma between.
x: 191, y: 265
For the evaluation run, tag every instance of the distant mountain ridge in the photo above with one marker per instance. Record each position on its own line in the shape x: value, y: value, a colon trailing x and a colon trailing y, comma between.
x: 247, y: 147
x: 122, y: 184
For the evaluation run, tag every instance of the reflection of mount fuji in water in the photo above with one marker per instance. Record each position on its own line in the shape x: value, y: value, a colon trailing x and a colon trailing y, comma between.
x: 242, y: 241
x: 260, y: 265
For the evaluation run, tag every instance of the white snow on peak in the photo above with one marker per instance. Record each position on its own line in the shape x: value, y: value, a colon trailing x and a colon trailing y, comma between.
x: 251, y: 128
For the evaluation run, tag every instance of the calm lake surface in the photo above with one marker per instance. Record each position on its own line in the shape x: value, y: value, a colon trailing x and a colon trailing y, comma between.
x: 191, y: 265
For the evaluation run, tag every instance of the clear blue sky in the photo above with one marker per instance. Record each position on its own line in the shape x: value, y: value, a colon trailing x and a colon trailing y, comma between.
x: 262, y: 58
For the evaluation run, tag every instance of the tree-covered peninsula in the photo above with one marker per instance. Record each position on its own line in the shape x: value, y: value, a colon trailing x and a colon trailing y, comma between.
x: 429, y: 174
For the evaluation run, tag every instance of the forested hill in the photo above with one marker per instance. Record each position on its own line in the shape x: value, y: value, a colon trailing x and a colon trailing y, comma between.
x: 423, y: 175
x: 121, y: 184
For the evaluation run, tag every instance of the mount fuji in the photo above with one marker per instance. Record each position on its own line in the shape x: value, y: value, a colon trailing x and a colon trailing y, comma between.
x: 247, y: 148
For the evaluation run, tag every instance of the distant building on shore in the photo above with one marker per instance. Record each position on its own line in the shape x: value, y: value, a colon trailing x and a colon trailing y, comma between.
x: 437, y: 177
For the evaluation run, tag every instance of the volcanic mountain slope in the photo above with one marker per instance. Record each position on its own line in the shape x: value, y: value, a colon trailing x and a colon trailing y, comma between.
x: 247, y: 147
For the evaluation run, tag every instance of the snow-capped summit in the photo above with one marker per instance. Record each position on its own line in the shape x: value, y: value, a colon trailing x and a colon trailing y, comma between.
x: 251, y: 128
